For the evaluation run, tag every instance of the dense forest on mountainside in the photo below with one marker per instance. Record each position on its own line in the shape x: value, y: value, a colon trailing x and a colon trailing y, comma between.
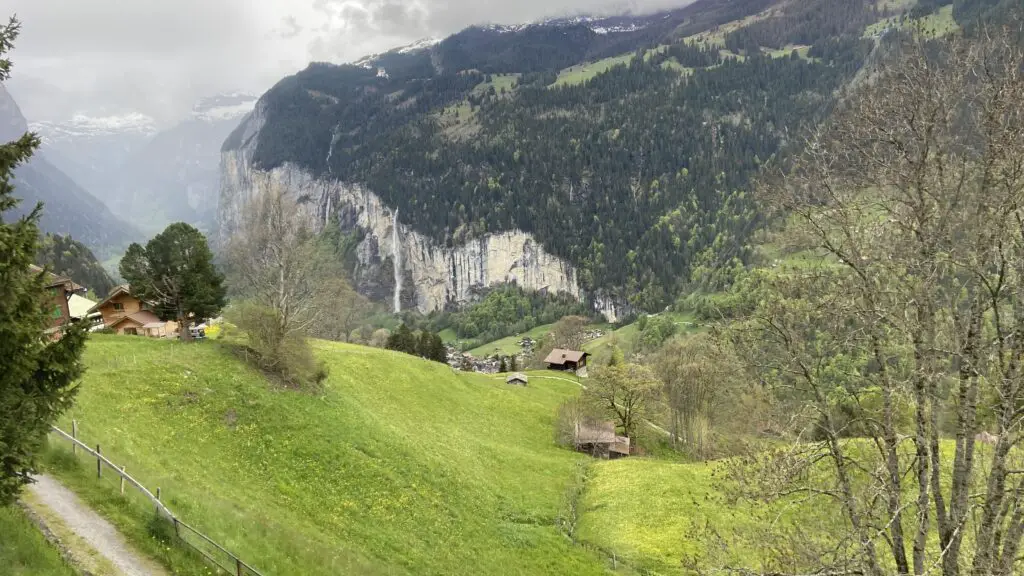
x: 506, y: 311
x: 636, y: 176
x: 67, y: 257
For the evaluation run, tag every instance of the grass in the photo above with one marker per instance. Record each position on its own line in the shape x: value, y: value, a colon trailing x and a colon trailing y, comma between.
x: 510, y: 345
x: 498, y: 82
x: 23, y: 549
x: 582, y: 72
x: 399, y: 466
x: 934, y: 25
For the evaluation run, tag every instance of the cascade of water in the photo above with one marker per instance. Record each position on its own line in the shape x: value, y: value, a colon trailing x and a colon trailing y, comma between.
x: 396, y: 257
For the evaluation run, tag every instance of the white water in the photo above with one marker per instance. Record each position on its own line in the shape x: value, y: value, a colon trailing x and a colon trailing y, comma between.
x: 327, y: 213
x: 330, y: 149
x: 396, y: 257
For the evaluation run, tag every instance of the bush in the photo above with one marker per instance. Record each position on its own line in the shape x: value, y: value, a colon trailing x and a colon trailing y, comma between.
x: 274, y: 350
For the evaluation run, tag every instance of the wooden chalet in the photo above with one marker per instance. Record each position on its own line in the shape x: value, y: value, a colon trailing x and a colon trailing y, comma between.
x: 567, y: 360
x: 59, y: 291
x: 126, y: 314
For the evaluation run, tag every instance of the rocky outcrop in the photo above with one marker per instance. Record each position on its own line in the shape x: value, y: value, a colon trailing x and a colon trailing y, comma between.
x: 428, y: 276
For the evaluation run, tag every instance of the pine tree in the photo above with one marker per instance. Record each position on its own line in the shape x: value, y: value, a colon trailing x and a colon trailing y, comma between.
x: 175, y: 272
x: 502, y: 366
x: 424, y: 347
x: 36, y: 383
x: 438, y: 351
x: 512, y: 364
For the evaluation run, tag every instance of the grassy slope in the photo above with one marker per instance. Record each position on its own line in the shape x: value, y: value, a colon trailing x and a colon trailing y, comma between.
x: 582, y: 72
x: 400, y: 466
x: 24, y: 551
x: 934, y: 25
x: 510, y: 345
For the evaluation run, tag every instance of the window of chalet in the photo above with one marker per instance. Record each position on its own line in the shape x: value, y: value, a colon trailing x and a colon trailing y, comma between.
x: 118, y: 307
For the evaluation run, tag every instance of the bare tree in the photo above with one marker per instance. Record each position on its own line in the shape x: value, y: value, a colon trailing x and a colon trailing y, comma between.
x: 912, y: 323
x: 700, y: 377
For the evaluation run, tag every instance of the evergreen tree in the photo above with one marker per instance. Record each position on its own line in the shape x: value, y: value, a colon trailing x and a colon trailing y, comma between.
x: 502, y: 366
x: 175, y: 273
x: 402, y: 340
x: 513, y: 364
x: 424, y: 345
x: 36, y: 383
x: 438, y: 352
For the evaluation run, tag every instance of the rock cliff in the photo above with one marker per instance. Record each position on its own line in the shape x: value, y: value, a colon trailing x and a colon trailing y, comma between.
x: 396, y: 263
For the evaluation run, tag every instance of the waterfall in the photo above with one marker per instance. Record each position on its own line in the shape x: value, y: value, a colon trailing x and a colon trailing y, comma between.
x: 396, y: 257
x: 327, y: 213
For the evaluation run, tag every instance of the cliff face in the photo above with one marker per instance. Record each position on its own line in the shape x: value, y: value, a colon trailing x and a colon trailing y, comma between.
x: 395, y: 262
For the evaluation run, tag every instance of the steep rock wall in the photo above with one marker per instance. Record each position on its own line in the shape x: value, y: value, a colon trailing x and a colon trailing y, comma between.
x: 430, y: 276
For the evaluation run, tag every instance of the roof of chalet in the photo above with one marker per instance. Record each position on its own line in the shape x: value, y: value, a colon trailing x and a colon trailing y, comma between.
x: 559, y: 356
x: 53, y: 280
x: 143, y: 318
x: 117, y: 291
x: 517, y: 377
x: 602, y: 433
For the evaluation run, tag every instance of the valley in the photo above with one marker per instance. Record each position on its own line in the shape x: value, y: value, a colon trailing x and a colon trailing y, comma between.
x: 731, y: 288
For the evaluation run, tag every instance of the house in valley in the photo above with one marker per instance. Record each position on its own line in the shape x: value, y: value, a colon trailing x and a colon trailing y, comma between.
x: 567, y: 360
x: 126, y: 314
x: 600, y: 441
x: 59, y: 291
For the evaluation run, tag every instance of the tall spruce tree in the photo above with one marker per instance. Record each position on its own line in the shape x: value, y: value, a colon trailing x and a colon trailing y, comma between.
x: 175, y: 272
x: 39, y: 370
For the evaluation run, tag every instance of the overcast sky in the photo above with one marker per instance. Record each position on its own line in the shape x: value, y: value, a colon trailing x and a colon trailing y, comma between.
x: 159, y: 56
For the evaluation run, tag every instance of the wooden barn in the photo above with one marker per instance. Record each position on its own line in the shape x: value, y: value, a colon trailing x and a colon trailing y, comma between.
x: 517, y: 379
x: 600, y: 441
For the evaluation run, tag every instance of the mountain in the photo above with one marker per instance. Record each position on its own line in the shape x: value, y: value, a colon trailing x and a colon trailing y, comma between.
x: 67, y: 257
x: 89, y: 148
x: 174, y: 176
x: 607, y: 158
x: 68, y: 209
x: 146, y: 175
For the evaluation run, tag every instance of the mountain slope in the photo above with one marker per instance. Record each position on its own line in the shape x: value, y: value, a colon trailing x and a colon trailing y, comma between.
x: 629, y: 178
x: 68, y: 209
x: 399, y: 466
x: 174, y: 176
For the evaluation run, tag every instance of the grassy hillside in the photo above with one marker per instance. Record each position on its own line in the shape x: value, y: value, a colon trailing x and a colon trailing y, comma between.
x: 400, y: 466
x: 510, y: 345
x: 24, y: 551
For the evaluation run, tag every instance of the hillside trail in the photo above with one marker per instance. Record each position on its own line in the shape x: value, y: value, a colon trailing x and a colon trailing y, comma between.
x: 88, y: 540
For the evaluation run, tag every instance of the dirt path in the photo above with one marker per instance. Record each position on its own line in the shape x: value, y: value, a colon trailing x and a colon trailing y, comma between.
x: 92, y: 543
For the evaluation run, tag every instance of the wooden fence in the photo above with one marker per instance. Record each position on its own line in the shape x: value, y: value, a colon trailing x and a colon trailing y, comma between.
x: 216, y: 554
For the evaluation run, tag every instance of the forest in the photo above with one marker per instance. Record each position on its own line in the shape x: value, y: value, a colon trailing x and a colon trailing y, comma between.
x: 637, y: 176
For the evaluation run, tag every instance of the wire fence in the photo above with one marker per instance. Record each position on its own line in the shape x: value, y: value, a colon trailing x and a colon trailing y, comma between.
x: 216, y: 554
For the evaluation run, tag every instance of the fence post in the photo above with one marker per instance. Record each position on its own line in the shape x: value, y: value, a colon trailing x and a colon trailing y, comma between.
x: 123, y: 468
x: 176, y: 533
x: 238, y: 567
x: 157, y: 500
x: 99, y: 463
x: 74, y: 434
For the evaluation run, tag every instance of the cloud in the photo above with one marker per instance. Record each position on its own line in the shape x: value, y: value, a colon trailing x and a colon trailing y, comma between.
x: 159, y: 57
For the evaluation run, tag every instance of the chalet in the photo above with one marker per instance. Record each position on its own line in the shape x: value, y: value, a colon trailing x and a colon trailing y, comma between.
x: 600, y: 441
x: 567, y: 360
x: 126, y: 314
x: 59, y: 290
x: 517, y: 379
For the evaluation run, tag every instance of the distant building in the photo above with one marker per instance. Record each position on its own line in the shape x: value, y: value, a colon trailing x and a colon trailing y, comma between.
x: 517, y: 379
x: 126, y: 314
x: 600, y: 441
x: 567, y: 360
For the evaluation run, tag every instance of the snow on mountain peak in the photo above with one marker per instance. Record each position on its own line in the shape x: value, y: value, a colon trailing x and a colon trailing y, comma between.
x: 224, y: 107
x: 85, y: 125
